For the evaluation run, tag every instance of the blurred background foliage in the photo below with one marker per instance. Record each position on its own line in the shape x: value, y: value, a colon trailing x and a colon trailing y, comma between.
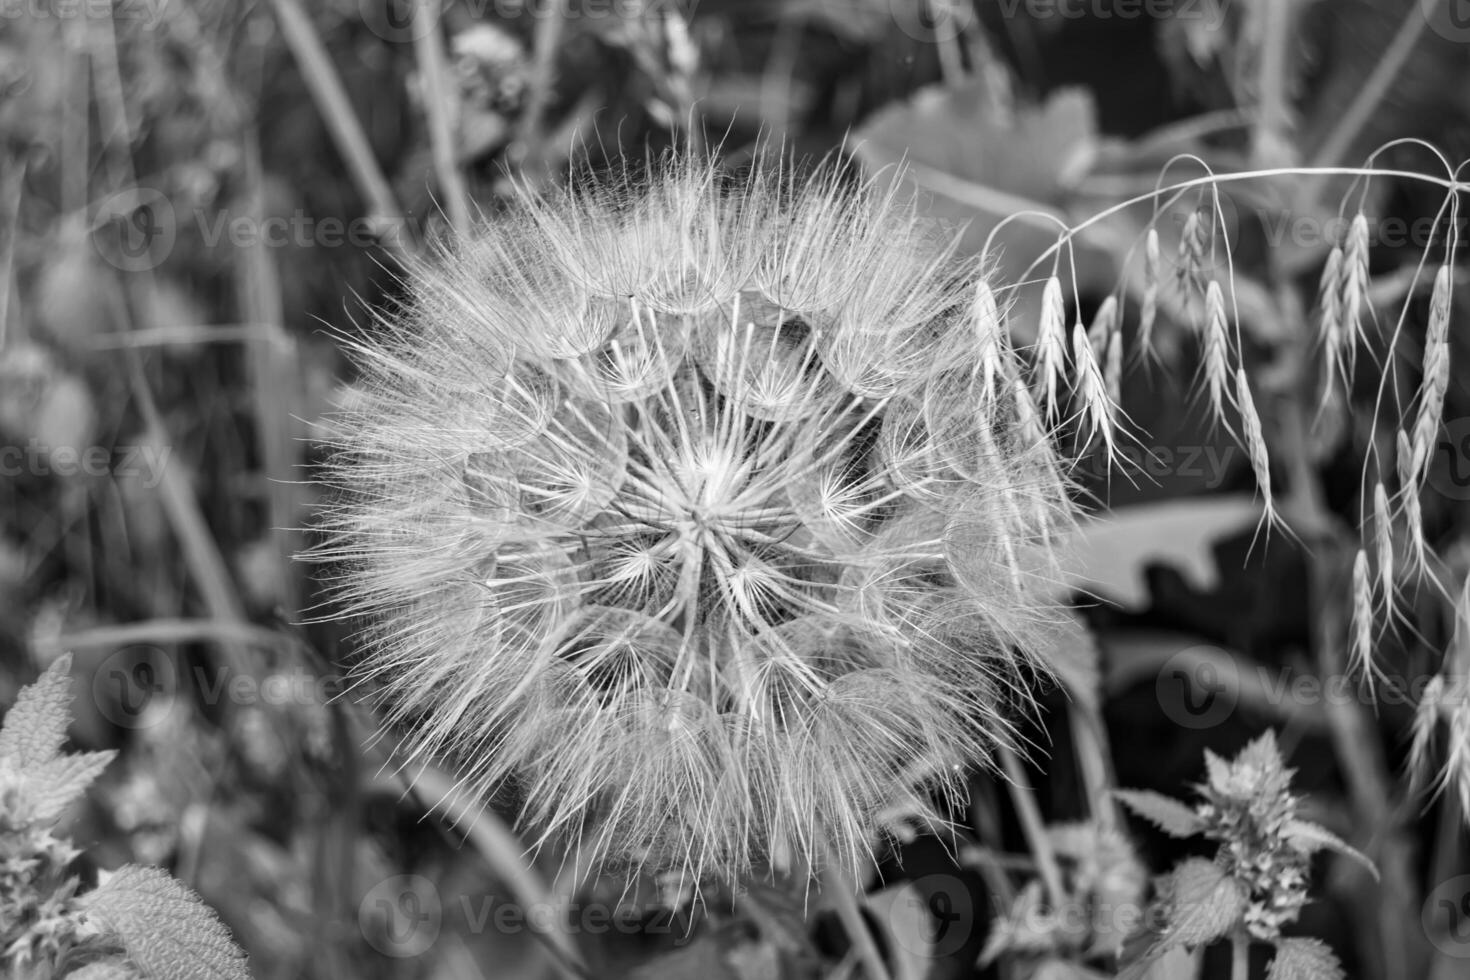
x: 195, y: 194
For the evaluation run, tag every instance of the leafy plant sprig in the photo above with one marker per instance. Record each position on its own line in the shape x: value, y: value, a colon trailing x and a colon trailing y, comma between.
x: 139, y: 923
x: 1103, y: 882
x: 1257, y: 881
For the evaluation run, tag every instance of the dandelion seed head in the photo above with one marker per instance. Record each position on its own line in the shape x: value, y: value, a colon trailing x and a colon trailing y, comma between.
x: 670, y: 506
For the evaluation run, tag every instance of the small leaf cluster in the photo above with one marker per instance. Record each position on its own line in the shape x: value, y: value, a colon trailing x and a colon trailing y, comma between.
x: 1103, y: 883
x: 137, y: 924
x: 1257, y: 882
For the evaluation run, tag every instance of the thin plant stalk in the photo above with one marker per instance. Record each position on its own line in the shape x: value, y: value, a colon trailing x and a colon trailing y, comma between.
x: 1032, y: 825
x: 438, y: 103
x: 336, y: 111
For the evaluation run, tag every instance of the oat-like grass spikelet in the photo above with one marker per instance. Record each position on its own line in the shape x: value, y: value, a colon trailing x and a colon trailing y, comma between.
x: 702, y: 513
x: 1149, y: 312
x: 1383, y: 544
x: 1104, y: 322
x: 1417, y: 564
x: 1216, y: 365
x: 1254, y: 437
x: 1193, y: 251
x: 1092, y: 389
x: 1418, y: 548
x: 1444, y: 700
x: 1427, y: 419
x: 1436, y: 374
x: 988, y: 323
x: 1051, y: 343
x: 1353, y: 280
x: 1338, y: 346
x: 1329, y: 298
x: 1110, y: 329
x: 1425, y: 724
x: 1457, y: 765
x: 1361, y: 639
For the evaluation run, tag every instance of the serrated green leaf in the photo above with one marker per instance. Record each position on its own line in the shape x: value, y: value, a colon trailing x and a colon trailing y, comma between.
x: 1218, y: 769
x: 104, y: 970
x: 1017, y: 932
x: 35, y: 726
x: 1262, y: 753
x: 55, y: 785
x: 1165, y: 813
x: 1304, y: 959
x: 1309, y: 837
x: 167, y: 929
x: 1205, y: 903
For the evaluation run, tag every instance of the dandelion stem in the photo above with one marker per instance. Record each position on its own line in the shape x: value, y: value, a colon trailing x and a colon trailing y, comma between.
x: 1240, y: 955
x: 1032, y: 826
x: 842, y: 891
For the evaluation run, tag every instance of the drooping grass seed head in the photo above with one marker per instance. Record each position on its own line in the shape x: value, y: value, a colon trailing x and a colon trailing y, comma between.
x: 662, y: 506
